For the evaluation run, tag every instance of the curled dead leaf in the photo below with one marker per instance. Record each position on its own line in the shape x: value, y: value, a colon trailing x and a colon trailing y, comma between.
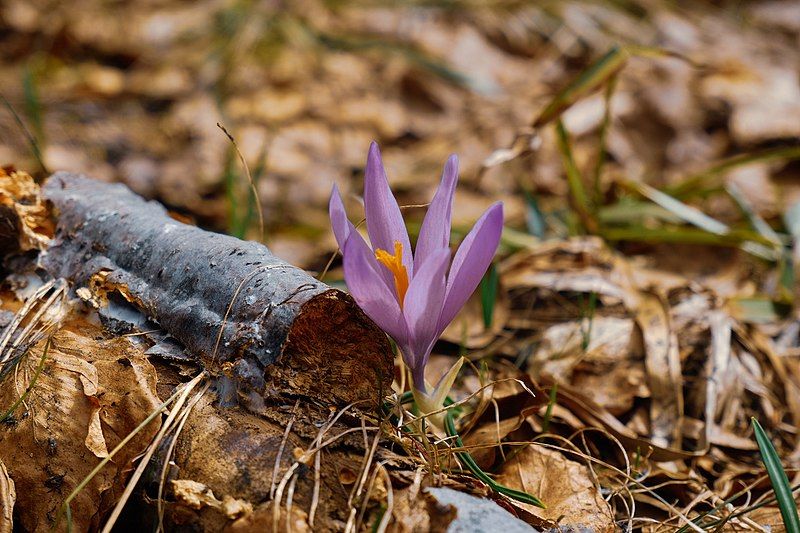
x: 7, y: 498
x: 261, y: 519
x: 565, y: 486
x: 197, y: 495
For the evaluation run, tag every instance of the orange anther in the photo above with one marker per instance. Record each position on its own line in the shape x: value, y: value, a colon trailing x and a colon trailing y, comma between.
x: 395, y: 265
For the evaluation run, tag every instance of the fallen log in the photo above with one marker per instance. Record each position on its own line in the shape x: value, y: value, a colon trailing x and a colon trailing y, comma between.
x: 241, y: 311
x: 100, y: 424
x: 242, y: 315
x: 223, y: 469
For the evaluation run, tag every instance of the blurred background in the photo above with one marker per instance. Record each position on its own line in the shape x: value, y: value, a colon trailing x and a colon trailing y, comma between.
x: 133, y: 91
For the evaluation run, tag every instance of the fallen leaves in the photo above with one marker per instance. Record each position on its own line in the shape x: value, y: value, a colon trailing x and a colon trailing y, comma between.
x: 662, y: 361
x: 197, y: 495
x: 91, y: 395
x: 8, y: 496
x: 681, y: 344
x: 567, y: 488
x: 658, y: 364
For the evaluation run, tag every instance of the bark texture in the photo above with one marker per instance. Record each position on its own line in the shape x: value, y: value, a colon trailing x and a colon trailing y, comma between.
x: 269, y: 326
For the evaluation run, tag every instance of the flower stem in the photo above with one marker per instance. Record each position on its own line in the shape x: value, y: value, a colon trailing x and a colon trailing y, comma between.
x: 469, y: 462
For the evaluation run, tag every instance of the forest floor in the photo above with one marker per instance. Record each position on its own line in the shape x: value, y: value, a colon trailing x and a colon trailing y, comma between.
x: 648, y: 157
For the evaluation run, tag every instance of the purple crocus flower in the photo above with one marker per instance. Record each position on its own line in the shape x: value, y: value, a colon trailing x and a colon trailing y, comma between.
x: 413, y: 298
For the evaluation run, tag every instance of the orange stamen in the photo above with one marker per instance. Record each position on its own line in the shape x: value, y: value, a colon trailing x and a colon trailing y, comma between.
x: 395, y: 265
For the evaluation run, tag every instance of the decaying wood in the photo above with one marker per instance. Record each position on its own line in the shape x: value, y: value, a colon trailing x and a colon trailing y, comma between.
x: 234, y: 452
x: 244, y: 316
x: 226, y: 465
x: 23, y: 219
x: 268, y: 325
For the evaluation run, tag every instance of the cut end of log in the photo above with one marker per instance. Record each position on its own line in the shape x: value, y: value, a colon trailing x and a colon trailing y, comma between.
x: 335, y: 352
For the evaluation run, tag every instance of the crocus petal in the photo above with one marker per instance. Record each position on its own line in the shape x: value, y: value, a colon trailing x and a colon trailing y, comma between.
x: 471, y: 261
x: 369, y: 290
x: 435, y: 231
x: 384, y: 221
x: 422, y: 307
x: 342, y: 227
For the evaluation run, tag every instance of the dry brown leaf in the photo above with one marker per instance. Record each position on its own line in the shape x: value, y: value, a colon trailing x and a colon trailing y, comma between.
x: 94, y: 436
x: 197, y: 495
x: 663, y: 365
x: 743, y: 84
x: 617, y: 389
x: 7, y: 498
x: 71, y: 396
x: 261, y: 519
x: 767, y: 517
x: 565, y: 486
x: 609, y: 370
x: 409, y: 516
x: 607, y: 340
x: 193, y: 494
x: 87, y: 374
x: 594, y: 415
x: 483, y: 443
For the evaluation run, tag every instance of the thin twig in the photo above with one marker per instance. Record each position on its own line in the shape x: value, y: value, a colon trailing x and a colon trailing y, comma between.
x: 174, y: 412
x: 250, y: 180
x: 279, y: 455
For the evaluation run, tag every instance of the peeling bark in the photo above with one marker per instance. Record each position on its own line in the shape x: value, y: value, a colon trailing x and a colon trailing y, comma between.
x: 242, y: 311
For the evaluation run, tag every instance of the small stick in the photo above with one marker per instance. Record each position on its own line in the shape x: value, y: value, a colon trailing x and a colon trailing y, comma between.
x: 250, y: 180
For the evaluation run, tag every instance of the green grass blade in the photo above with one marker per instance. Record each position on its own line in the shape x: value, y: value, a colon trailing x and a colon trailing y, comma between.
x: 33, y: 105
x: 473, y: 467
x: 579, y: 200
x: 758, y: 223
x: 604, y: 127
x: 758, y: 245
x: 758, y: 310
x: 685, y: 212
x: 778, y: 478
x: 588, y: 80
x: 587, y: 312
x: 680, y: 235
x: 629, y: 211
x: 512, y: 239
x: 791, y: 220
x: 551, y: 402
x: 489, y: 295
x: 32, y: 141
x: 654, y: 52
x: 10, y: 412
x: 597, y: 74
x: 534, y: 218
x: 711, y: 177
